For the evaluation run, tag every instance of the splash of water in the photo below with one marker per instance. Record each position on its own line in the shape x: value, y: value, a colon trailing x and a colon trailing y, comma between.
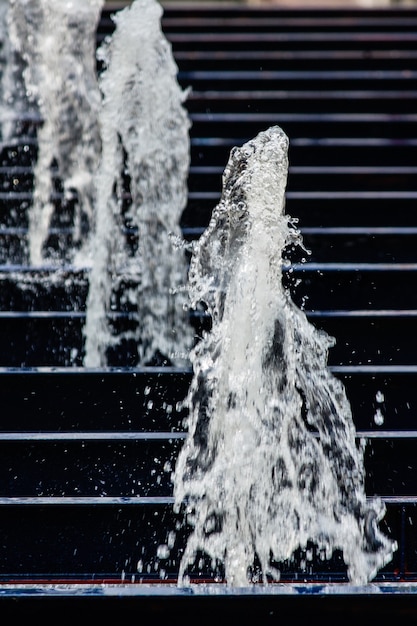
x: 270, y: 462
x: 144, y: 128
x: 56, y: 42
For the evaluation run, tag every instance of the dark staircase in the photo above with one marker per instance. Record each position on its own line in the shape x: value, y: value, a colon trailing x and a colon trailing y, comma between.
x: 85, y: 491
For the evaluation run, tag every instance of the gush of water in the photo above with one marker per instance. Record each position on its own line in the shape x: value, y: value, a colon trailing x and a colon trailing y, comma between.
x: 54, y: 41
x: 271, y: 461
x: 145, y: 153
x: 14, y: 103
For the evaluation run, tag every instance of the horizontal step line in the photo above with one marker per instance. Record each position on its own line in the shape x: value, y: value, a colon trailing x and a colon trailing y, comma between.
x: 375, y: 75
x: 295, y: 169
x: 136, y: 500
x: 261, y: 54
x: 270, y: 118
x: 257, y: 21
x: 322, y: 195
x: 81, y: 315
x: 358, y: 230
x: 97, y: 371
x: 255, y: 17
x: 354, y: 12
x: 321, y: 169
x: 59, y: 315
x: 199, y: 37
x: 139, y: 587
x: 398, y: 499
x: 27, y: 196
x: 269, y: 94
x: 55, y: 269
x: 16, y: 169
x: 364, y: 313
x: 317, y: 230
x: 86, y: 500
x: 15, y: 270
x: 272, y: 94
x: 387, y: 434
x: 160, y: 371
x: 90, y: 436
x: 354, y: 267
x: 373, y: 369
x: 296, y: 141
x: 310, y: 230
x: 373, y: 313
x: 159, y: 436
x: 308, y: 195
x: 315, y: 141
x: 20, y: 231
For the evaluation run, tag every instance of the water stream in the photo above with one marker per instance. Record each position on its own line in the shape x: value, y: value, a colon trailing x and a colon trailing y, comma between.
x: 145, y: 135
x: 55, y: 43
x: 110, y: 175
x: 14, y: 102
x: 271, y: 462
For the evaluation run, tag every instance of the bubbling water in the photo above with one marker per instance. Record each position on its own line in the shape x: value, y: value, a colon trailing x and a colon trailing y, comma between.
x: 271, y: 462
x: 145, y: 135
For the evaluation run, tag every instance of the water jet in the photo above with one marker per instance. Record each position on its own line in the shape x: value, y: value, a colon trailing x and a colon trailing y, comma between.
x: 271, y: 462
x: 108, y: 432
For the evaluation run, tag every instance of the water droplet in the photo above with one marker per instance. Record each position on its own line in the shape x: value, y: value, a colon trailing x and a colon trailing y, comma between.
x: 379, y: 397
x: 378, y: 417
x: 163, y: 551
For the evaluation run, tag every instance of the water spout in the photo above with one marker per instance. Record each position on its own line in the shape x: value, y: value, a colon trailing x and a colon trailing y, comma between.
x: 271, y: 462
x: 14, y: 102
x: 55, y: 43
x: 144, y: 130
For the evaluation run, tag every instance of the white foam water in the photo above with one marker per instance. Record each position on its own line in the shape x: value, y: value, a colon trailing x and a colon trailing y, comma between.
x: 145, y: 135
x: 271, y: 462
x: 56, y: 42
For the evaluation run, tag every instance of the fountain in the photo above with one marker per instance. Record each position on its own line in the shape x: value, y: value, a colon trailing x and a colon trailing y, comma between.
x: 144, y: 128
x: 54, y: 43
x: 110, y: 176
x: 14, y: 103
x: 271, y: 463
